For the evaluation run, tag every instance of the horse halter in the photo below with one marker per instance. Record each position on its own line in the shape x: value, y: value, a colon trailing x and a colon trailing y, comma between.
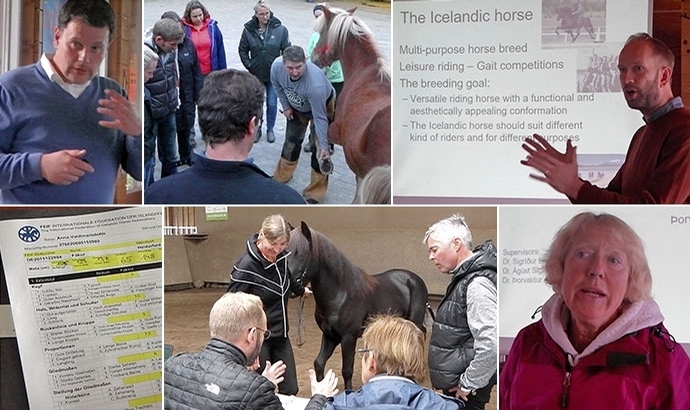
x: 300, y: 306
x: 300, y: 277
x: 323, y: 52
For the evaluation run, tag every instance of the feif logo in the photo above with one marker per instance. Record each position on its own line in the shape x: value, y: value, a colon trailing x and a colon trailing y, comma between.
x: 28, y: 233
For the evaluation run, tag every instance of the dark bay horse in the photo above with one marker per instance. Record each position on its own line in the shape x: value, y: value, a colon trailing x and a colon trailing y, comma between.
x: 362, y: 122
x: 346, y: 296
x: 573, y: 24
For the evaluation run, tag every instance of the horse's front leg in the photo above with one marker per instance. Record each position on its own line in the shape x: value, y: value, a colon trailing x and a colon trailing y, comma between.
x: 348, y: 350
x: 327, y: 347
x: 334, y: 133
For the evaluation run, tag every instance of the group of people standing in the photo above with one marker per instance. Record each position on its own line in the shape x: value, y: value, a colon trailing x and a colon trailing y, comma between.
x: 188, y: 50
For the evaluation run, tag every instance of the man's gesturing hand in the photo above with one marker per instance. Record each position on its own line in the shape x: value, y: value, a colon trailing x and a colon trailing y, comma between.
x: 64, y: 167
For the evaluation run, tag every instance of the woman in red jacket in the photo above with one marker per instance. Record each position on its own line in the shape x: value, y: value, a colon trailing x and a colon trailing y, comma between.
x: 206, y: 36
x: 601, y: 343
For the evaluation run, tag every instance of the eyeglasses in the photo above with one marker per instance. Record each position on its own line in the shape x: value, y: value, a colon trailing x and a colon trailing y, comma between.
x: 267, y: 333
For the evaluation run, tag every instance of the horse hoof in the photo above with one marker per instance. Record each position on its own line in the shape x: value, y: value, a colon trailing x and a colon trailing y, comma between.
x: 326, y: 166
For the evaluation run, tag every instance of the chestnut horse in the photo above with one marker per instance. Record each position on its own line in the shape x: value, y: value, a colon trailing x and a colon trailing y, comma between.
x: 346, y: 296
x: 362, y: 124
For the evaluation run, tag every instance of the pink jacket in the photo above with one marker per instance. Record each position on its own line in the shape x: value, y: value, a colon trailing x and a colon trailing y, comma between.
x: 632, y: 364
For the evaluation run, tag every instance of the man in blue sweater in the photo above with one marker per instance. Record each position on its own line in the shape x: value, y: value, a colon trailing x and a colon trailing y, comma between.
x: 230, y: 107
x: 65, y: 130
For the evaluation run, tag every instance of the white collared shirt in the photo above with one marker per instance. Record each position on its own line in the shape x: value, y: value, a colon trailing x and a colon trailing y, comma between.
x: 74, y: 90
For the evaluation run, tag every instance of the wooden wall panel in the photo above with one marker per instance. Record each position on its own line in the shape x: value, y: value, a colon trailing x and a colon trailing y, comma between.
x: 124, y: 66
x: 30, y: 32
x: 666, y: 27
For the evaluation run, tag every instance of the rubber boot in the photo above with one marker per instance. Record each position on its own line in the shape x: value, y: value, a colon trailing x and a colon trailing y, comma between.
x: 316, y: 191
x: 284, y: 170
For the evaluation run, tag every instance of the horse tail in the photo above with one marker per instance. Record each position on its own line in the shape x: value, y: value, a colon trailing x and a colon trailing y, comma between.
x: 417, y: 299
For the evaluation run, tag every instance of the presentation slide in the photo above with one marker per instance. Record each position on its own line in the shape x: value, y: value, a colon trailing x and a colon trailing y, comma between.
x: 474, y: 78
x: 526, y: 233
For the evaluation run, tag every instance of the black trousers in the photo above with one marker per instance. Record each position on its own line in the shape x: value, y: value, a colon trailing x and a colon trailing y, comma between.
x: 478, y: 400
x: 280, y: 348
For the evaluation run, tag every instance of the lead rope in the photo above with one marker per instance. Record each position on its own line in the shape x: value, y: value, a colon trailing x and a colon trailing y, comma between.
x: 300, y: 307
x: 300, y: 322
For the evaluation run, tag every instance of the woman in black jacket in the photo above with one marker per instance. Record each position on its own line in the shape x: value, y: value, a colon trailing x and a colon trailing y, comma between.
x: 263, y: 40
x: 263, y: 271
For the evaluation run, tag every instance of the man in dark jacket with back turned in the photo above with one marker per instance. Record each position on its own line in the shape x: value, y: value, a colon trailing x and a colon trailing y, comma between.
x: 263, y: 40
x: 463, y: 345
x: 218, y: 377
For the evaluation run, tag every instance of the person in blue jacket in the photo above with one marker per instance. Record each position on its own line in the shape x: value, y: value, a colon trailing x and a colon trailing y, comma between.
x: 206, y: 36
x: 392, y: 366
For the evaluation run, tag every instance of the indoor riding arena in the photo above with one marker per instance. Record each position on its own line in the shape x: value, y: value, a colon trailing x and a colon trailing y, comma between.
x: 202, y: 244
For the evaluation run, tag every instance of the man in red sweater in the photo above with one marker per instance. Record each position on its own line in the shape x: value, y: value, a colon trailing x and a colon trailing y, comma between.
x: 657, y: 165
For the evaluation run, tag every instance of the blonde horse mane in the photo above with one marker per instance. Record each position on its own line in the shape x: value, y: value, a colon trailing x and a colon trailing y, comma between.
x: 343, y: 24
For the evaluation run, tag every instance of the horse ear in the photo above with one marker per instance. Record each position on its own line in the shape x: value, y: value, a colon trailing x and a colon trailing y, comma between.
x: 306, y: 232
x: 290, y: 227
x: 327, y: 13
x: 352, y: 11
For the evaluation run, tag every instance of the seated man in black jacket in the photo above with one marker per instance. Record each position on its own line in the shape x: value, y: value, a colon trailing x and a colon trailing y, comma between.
x: 217, y: 377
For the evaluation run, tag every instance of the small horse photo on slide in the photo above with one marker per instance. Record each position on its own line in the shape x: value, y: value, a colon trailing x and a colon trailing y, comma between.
x: 572, y: 23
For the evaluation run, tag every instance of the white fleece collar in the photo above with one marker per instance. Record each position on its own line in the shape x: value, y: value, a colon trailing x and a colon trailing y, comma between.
x: 556, y: 315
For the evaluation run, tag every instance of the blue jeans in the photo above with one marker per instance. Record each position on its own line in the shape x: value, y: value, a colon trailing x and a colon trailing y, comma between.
x: 149, y: 170
x: 271, y: 106
x: 163, y: 132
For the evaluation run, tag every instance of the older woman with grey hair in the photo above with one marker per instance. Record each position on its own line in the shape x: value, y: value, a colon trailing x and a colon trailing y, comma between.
x: 601, y: 331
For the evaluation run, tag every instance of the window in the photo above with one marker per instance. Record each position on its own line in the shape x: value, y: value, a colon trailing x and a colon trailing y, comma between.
x: 180, y: 221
